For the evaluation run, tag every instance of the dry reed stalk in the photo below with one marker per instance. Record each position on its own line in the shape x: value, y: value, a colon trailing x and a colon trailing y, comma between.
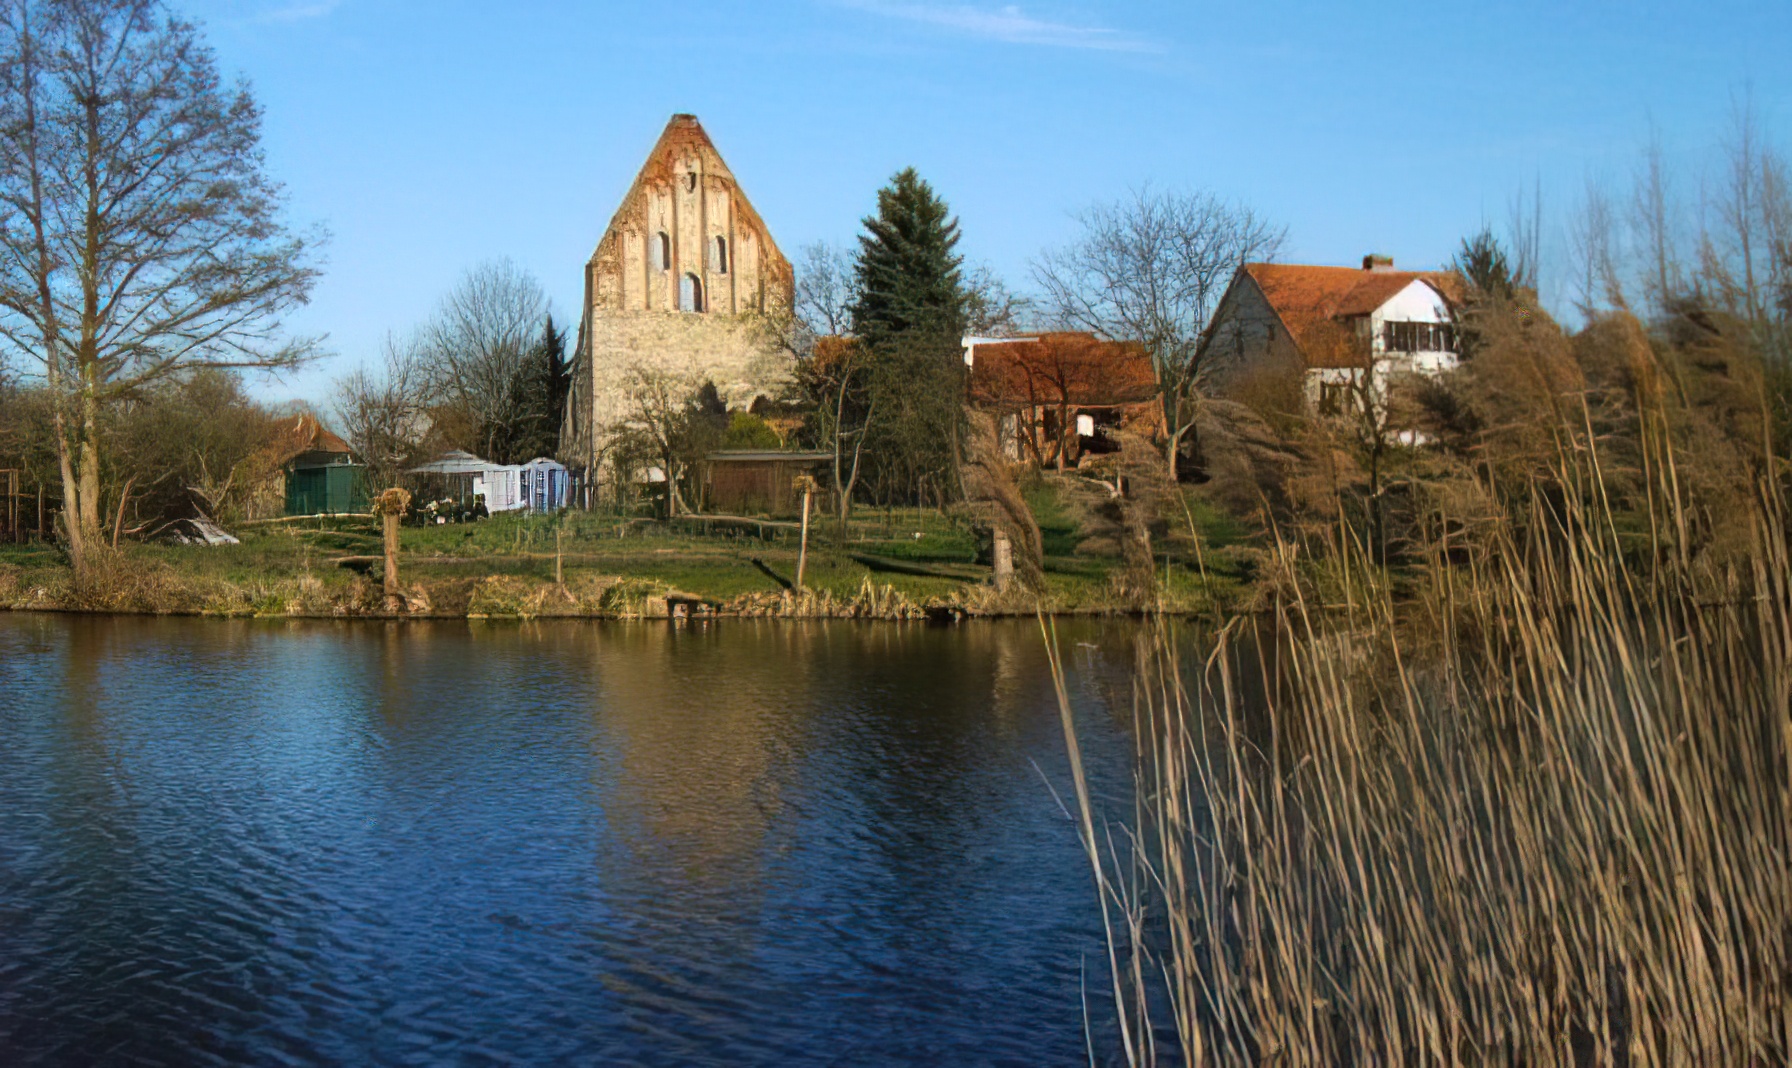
x: 1555, y: 832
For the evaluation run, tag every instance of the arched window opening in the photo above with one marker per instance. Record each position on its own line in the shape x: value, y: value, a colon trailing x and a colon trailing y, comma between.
x: 662, y: 252
x: 718, y: 256
x: 690, y: 294
x: 690, y: 181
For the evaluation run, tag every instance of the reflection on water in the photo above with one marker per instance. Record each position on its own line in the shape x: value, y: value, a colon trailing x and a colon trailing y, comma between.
x: 746, y: 843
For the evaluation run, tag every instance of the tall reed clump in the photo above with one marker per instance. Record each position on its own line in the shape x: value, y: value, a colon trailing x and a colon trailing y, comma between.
x: 1539, y: 817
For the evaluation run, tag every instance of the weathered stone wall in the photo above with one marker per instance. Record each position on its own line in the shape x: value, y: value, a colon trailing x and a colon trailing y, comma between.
x: 736, y: 352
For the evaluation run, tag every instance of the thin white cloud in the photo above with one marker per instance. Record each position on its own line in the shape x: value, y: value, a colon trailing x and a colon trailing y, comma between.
x: 1009, y: 24
x: 305, y: 9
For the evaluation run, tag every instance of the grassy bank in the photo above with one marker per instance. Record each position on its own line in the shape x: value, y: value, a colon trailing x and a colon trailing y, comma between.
x: 610, y: 566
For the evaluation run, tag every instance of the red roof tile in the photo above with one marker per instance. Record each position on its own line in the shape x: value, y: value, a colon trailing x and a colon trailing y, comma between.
x: 1315, y: 303
x: 1064, y: 367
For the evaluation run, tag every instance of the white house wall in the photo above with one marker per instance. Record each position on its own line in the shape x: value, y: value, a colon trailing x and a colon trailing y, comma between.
x: 1417, y: 303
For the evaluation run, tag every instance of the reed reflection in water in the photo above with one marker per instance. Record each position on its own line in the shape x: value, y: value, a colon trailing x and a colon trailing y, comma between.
x: 751, y: 843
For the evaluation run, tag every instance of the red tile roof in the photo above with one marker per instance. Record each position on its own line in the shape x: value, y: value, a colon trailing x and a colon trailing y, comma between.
x: 1316, y: 303
x: 1064, y: 367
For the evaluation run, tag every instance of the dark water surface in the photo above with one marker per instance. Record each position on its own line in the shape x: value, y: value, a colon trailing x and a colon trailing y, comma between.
x: 752, y: 843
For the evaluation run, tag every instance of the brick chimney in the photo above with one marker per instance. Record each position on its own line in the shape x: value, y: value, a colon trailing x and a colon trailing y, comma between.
x: 1372, y: 262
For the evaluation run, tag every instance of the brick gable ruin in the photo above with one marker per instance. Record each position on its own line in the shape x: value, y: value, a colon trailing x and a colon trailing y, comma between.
x: 687, y: 282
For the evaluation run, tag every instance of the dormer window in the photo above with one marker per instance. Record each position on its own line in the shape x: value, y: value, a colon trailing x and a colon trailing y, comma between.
x: 690, y: 294
x: 662, y: 252
x: 718, y: 255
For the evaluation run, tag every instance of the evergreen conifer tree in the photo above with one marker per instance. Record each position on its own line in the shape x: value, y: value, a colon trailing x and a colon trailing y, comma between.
x: 908, y: 313
x: 1483, y: 262
x: 558, y: 374
x: 907, y: 274
x: 537, y: 407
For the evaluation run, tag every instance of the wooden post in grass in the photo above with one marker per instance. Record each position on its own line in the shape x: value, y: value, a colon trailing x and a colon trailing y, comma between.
x: 1003, y: 558
x: 559, y: 580
x: 807, y: 485
x: 390, y: 507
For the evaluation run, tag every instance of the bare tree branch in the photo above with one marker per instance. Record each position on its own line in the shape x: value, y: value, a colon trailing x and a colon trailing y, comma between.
x: 1152, y: 268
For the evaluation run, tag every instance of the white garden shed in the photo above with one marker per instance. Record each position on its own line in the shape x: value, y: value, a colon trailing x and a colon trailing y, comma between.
x: 541, y: 485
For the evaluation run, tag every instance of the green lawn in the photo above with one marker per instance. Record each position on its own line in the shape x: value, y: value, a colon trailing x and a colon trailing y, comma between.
x: 505, y: 565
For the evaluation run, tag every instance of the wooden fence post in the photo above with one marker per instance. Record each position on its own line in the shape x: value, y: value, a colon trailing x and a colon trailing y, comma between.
x: 807, y: 485
x: 390, y: 507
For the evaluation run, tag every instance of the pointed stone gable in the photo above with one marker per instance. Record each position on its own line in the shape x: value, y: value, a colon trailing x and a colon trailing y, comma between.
x: 686, y: 286
x: 686, y: 237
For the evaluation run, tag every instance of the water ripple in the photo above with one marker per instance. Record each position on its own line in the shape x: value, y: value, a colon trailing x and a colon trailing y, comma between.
x: 250, y: 843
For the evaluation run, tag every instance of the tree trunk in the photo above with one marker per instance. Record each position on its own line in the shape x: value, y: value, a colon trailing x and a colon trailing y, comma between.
x: 802, y: 553
x: 1058, y: 460
x: 1174, y: 431
x: 71, y: 530
x: 90, y: 471
x: 123, y: 499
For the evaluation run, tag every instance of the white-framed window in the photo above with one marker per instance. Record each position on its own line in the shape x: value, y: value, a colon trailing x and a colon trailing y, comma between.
x: 1418, y: 337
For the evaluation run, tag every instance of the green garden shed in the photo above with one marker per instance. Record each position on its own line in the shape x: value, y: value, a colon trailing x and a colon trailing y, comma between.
x: 322, y: 477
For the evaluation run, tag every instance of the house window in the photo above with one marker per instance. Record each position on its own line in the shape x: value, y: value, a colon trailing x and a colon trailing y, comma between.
x: 1331, y: 398
x: 662, y: 252
x: 690, y: 294
x: 1418, y: 337
x: 718, y: 256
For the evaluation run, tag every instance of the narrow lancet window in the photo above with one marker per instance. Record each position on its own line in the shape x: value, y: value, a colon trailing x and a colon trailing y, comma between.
x: 690, y: 294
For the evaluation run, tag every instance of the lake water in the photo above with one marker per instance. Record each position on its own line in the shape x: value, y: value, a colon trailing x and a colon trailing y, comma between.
x: 743, y: 843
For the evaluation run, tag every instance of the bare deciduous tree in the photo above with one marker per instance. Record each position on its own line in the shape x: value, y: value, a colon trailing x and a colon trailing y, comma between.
x: 991, y: 308
x: 824, y: 289
x: 1746, y: 255
x: 383, y: 412
x: 1593, y: 241
x: 836, y: 379
x: 192, y: 445
x: 1653, y: 222
x: 478, y: 346
x: 139, y: 233
x: 1152, y: 268
x: 677, y: 420
x: 1524, y: 229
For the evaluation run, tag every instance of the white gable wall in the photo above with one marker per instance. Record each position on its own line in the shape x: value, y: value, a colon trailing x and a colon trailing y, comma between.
x: 1417, y: 303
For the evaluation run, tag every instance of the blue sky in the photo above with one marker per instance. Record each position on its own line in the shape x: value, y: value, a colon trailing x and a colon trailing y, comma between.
x: 428, y: 136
